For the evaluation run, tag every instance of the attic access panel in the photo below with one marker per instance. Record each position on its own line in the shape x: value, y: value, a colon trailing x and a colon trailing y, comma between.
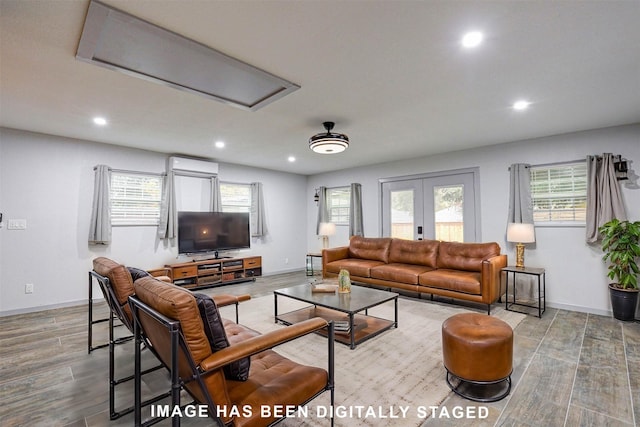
x: 119, y: 41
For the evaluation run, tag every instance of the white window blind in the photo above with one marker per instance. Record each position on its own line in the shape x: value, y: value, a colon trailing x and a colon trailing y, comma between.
x: 135, y: 198
x: 235, y: 197
x: 338, y: 205
x: 559, y: 193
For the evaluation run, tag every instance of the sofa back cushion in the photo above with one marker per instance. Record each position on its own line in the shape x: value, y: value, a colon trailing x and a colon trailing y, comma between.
x: 465, y: 256
x: 178, y: 304
x: 375, y: 249
x: 418, y: 252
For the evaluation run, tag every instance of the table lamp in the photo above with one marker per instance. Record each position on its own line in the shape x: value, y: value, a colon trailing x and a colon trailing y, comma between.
x: 519, y: 234
x: 326, y: 229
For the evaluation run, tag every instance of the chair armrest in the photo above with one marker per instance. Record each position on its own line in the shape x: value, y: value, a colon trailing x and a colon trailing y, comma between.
x: 223, y: 300
x: 260, y: 343
x: 163, y: 274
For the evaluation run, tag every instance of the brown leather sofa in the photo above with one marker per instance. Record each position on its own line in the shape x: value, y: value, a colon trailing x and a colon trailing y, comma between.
x: 170, y: 318
x: 466, y: 271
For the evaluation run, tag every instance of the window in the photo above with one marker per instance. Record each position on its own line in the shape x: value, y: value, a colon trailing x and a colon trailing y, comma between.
x: 235, y: 197
x: 559, y: 193
x: 338, y: 200
x: 135, y: 198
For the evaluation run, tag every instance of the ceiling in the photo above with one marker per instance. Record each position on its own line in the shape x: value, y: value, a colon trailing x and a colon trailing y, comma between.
x: 392, y: 75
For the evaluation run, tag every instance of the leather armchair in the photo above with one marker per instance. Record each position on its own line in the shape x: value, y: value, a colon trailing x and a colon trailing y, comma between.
x: 169, y: 318
x: 117, y: 285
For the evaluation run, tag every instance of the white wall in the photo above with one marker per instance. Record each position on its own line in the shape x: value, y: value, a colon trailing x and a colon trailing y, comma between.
x: 48, y: 181
x: 576, y: 276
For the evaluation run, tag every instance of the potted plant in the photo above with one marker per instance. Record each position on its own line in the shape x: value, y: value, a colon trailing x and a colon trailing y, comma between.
x: 621, y: 246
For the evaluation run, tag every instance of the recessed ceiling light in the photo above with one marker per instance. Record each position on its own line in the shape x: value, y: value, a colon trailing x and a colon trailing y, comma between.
x: 100, y: 121
x: 219, y: 144
x: 472, y: 39
x: 291, y: 159
x: 521, y: 105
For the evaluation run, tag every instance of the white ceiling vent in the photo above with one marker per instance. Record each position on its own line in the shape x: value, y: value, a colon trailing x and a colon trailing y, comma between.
x: 186, y: 166
x: 121, y: 42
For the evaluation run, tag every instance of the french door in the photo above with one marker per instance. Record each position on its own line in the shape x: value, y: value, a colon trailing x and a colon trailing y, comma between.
x: 438, y: 206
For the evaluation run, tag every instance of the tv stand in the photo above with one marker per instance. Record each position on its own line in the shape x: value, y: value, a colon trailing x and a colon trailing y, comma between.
x: 215, y: 272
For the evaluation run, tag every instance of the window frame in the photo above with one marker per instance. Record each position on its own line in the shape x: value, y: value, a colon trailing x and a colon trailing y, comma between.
x: 577, y: 192
x: 228, y: 207
x: 333, y: 215
x: 128, y: 218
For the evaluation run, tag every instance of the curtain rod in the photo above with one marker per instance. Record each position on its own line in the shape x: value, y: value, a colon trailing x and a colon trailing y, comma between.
x: 134, y: 172
x: 566, y: 162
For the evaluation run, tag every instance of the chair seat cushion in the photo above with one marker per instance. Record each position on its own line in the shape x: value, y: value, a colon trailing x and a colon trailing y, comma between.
x: 215, y: 330
x: 274, y: 380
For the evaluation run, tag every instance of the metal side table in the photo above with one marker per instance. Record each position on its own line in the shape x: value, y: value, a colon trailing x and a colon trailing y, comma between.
x: 513, y: 271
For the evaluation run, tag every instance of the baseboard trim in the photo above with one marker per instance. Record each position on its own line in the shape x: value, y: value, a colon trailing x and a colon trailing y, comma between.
x: 580, y: 309
x: 28, y: 310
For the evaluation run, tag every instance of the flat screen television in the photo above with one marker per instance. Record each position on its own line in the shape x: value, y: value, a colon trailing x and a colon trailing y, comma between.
x: 200, y: 232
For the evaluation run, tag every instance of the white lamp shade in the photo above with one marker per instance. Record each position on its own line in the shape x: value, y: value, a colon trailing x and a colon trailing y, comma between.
x: 520, y: 233
x: 327, y: 229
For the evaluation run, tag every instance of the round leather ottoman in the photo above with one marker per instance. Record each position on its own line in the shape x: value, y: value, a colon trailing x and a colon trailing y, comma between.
x: 477, y: 351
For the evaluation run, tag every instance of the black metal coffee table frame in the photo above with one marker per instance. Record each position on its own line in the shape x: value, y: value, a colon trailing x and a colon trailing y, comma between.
x: 338, y: 306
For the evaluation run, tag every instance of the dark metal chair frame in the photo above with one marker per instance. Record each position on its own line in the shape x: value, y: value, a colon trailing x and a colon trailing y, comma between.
x: 180, y: 351
x: 115, y: 312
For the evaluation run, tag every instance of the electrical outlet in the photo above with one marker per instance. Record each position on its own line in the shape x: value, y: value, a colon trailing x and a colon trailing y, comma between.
x: 17, y: 224
x: 286, y: 260
x: 28, y: 288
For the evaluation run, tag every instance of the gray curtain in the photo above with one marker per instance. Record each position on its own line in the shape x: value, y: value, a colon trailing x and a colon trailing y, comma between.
x: 216, y: 201
x: 100, y: 225
x: 520, y: 206
x: 323, y: 212
x: 604, y: 198
x: 258, y: 226
x: 168, y: 225
x: 356, y: 227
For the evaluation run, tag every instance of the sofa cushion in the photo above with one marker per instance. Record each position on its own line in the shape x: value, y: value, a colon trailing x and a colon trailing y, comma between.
x: 215, y: 330
x: 355, y: 266
x: 467, y: 282
x: 465, y: 256
x: 419, y: 252
x: 375, y: 249
x: 396, y: 272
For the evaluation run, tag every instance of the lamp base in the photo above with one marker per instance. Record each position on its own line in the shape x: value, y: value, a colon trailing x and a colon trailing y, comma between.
x: 325, y: 242
x: 520, y: 255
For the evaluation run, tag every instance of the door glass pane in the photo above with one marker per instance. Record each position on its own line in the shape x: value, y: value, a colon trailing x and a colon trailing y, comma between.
x: 448, y: 204
x: 402, y: 222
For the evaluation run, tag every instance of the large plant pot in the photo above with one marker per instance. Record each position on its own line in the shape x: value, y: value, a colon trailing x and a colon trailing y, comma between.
x: 623, y: 303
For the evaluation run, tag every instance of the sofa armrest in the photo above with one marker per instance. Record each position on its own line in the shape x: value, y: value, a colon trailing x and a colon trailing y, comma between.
x: 260, y: 343
x: 491, y: 280
x: 333, y: 254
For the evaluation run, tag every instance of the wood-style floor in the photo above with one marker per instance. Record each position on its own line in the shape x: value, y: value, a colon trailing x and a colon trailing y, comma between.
x: 570, y: 369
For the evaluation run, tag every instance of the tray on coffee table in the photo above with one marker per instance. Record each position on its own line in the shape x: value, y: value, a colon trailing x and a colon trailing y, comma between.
x: 351, y: 307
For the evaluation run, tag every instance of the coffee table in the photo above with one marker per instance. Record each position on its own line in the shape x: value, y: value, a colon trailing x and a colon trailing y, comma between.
x: 352, y: 307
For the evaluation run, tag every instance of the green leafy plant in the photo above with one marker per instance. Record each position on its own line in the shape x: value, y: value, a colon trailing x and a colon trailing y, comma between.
x: 621, y: 246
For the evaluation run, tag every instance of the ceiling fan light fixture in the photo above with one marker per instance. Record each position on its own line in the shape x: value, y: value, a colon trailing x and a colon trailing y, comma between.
x: 329, y: 142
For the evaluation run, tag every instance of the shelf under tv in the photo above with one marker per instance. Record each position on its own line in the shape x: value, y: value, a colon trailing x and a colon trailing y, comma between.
x: 216, y: 272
